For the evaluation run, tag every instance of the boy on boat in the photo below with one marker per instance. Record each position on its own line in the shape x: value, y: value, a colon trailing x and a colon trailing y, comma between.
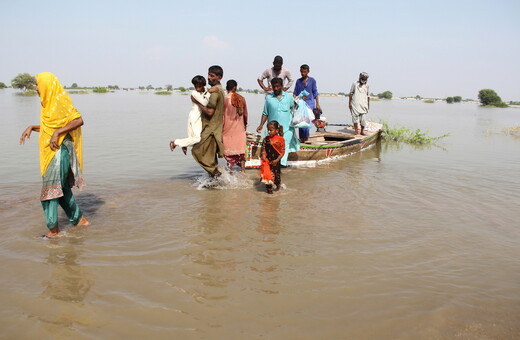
x: 306, y: 83
x: 359, y: 103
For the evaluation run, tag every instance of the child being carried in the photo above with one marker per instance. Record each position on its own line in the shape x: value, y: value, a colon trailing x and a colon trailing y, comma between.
x: 194, y: 128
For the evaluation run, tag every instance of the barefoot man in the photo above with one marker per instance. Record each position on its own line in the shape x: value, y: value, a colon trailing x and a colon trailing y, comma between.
x: 359, y: 102
x: 210, y: 146
x: 61, y: 160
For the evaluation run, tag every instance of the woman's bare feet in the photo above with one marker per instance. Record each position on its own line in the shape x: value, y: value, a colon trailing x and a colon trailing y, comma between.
x: 83, y: 222
x: 184, y: 149
x: 172, y: 145
x: 52, y: 233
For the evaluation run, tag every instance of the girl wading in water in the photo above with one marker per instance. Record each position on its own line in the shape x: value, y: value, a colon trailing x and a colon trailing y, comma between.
x: 61, y: 158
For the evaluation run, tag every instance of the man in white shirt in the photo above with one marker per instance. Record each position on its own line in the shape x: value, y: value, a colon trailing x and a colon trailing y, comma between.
x: 359, y: 102
x: 277, y: 71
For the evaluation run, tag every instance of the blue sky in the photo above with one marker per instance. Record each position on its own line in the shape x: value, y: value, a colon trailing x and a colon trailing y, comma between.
x: 434, y: 49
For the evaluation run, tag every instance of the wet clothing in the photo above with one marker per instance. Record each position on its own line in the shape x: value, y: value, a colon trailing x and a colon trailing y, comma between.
x: 62, y: 163
x: 234, y: 126
x: 210, y: 146
x: 273, y: 148
x: 359, y: 93
x: 61, y: 169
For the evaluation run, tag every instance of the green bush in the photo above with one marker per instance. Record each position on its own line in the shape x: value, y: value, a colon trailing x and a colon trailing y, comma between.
x: 489, y: 97
x: 28, y: 93
x: 24, y: 81
x: 403, y: 134
x: 385, y: 95
x: 99, y: 90
x: 449, y: 100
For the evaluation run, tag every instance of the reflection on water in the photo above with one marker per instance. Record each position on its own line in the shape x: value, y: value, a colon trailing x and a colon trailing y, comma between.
x: 69, y: 281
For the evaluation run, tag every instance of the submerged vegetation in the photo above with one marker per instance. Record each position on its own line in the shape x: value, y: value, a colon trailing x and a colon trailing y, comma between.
x: 24, y: 82
x: 404, y: 134
x: 163, y: 92
x: 100, y: 90
x: 385, y: 95
x: 489, y: 97
x: 514, y: 131
x: 27, y: 93
x: 429, y: 101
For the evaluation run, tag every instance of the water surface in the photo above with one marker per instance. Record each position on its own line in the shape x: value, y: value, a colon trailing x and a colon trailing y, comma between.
x: 394, y: 242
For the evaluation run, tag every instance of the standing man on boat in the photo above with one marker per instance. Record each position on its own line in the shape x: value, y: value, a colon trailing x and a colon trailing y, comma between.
x: 359, y: 103
x: 277, y: 71
x: 308, y: 84
x: 278, y: 107
x: 210, y: 146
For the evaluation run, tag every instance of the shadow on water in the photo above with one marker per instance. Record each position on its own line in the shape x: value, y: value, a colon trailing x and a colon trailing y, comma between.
x: 88, y: 203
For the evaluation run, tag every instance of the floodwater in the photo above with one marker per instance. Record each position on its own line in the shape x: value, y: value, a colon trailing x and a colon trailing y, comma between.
x: 396, y: 242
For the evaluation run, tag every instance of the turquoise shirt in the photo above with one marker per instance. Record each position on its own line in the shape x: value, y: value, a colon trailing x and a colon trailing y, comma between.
x: 280, y: 110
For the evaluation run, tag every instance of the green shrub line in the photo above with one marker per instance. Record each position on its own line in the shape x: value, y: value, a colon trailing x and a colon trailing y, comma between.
x: 163, y: 92
x: 405, y: 135
x: 27, y: 93
x: 99, y: 90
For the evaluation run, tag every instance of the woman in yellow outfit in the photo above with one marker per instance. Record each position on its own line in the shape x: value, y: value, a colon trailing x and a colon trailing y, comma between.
x: 61, y: 160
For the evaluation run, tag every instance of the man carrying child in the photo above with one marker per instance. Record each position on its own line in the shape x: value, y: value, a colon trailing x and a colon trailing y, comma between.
x: 210, y: 146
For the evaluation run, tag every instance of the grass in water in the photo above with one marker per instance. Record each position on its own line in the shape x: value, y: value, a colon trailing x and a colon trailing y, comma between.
x: 27, y: 93
x: 163, y: 92
x: 514, y: 131
x: 99, y: 90
x: 404, y: 134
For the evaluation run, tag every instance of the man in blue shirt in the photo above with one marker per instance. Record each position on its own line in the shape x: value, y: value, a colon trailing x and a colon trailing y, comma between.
x: 278, y: 107
x: 308, y: 84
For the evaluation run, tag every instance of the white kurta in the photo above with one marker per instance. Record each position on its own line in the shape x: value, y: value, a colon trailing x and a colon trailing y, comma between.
x: 194, y: 128
x: 359, y: 98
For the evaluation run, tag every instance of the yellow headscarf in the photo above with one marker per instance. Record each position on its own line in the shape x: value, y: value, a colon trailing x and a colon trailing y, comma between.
x: 57, y: 111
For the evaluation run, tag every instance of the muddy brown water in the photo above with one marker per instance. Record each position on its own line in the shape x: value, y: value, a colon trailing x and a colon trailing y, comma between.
x: 397, y: 242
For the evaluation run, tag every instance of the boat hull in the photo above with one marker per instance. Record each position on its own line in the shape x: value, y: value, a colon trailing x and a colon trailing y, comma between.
x: 322, y: 146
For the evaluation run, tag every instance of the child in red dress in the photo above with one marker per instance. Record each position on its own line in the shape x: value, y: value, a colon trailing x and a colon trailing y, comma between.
x: 273, y: 149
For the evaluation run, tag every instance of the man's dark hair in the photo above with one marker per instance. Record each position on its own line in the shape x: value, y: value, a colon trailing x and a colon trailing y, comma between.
x: 278, y: 60
x: 231, y: 84
x: 198, y: 81
x: 304, y: 67
x: 217, y: 70
x: 277, y: 81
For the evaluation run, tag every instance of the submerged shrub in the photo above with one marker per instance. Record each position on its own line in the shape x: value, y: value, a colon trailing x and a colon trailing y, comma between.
x: 100, y: 90
x: 27, y: 93
x: 404, y: 134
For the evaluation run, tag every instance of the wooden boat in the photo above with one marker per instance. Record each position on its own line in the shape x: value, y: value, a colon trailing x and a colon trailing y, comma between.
x: 321, y: 146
